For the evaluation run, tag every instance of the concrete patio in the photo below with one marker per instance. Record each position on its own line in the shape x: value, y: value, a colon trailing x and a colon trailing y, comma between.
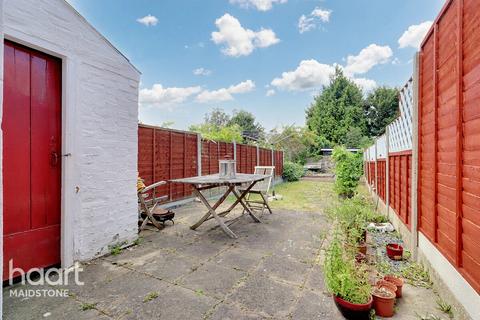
x: 270, y: 271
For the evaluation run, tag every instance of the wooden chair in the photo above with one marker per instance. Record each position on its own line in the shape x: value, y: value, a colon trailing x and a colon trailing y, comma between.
x: 148, y: 210
x: 261, y: 189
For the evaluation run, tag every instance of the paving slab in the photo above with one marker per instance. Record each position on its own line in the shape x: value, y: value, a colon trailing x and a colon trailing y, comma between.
x: 314, y: 306
x: 284, y: 268
x: 263, y: 294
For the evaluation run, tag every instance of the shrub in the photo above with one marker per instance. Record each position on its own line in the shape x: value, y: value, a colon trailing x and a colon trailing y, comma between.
x: 342, y: 277
x: 292, y: 171
x: 348, y: 170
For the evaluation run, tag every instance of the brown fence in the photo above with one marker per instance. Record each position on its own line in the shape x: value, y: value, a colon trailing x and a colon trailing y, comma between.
x: 165, y: 154
x: 449, y: 136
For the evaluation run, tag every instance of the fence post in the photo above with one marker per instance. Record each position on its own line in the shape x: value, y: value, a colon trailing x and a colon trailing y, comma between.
x: 258, y: 155
x: 375, y: 182
x: 199, y: 154
x: 273, y: 157
x: 387, y: 171
x: 414, y: 194
x: 234, y: 150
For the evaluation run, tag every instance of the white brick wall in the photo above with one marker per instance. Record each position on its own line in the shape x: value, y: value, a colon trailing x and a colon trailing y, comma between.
x: 100, y: 102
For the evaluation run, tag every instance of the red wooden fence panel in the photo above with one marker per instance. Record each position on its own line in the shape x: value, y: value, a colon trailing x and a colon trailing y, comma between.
x: 165, y: 154
x: 381, y: 180
x: 449, y: 136
x: 400, y: 182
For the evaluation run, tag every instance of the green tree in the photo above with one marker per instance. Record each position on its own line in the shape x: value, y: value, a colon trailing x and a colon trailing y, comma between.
x: 212, y: 132
x: 338, y: 110
x: 381, y: 108
x: 217, y: 117
x: 251, y: 129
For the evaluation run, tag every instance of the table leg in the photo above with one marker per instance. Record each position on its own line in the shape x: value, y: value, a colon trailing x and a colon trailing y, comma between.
x: 245, y: 207
x: 215, y: 206
x: 214, y: 214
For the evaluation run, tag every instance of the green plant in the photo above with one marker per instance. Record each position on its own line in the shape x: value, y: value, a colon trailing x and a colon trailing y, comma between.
x: 417, y: 275
x: 116, y: 249
x: 342, y: 277
x: 446, y: 308
x: 151, y: 296
x: 292, y: 171
x: 87, y: 306
x: 348, y: 170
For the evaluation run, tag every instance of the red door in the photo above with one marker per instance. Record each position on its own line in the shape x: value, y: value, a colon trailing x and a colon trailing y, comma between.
x: 31, y: 158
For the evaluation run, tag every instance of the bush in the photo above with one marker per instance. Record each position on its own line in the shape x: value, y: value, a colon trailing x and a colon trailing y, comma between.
x: 292, y: 171
x: 348, y: 170
x: 342, y: 277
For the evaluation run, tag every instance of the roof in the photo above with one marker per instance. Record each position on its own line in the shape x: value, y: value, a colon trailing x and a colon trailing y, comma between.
x: 101, y: 35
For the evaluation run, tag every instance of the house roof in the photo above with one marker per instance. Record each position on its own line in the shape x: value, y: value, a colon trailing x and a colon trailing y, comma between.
x: 101, y: 35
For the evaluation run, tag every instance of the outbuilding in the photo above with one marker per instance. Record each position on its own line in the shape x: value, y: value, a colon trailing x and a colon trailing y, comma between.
x: 69, y: 137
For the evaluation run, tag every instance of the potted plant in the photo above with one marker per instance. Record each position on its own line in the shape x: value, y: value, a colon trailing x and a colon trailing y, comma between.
x: 347, y: 282
x: 394, y: 251
x: 383, y: 301
x: 397, y: 281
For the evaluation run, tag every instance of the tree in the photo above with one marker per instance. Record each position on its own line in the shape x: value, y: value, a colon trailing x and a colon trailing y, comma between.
x: 251, y: 129
x: 338, y: 110
x: 381, y: 108
x: 212, y: 132
x: 217, y: 117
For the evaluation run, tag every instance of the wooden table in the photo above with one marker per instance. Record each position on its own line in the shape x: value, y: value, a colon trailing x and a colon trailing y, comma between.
x: 202, y: 183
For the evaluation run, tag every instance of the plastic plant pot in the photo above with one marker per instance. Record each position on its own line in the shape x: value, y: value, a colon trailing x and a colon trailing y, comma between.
x: 396, y: 281
x: 383, y: 302
x: 353, y: 311
x: 360, y: 258
x: 394, y: 251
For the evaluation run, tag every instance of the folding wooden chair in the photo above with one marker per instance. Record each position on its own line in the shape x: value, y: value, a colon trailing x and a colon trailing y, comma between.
x: 148, y: 210
x: 261, y: 189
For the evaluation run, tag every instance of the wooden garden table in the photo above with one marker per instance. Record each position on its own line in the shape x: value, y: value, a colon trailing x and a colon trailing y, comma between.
x: 202, y: 183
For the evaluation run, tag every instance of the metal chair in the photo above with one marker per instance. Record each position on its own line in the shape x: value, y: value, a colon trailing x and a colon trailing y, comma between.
x: 148, y: 210
x: 262, y: 189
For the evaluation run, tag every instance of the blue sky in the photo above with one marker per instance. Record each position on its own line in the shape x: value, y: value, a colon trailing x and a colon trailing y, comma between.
x: 269, y: 57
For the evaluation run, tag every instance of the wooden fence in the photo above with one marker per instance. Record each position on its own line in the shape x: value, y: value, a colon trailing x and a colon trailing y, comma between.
x: 165, y: 154
x: 436, y: 140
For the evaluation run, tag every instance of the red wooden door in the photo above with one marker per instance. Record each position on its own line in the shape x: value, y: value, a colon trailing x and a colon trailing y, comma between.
x: 31, y: 158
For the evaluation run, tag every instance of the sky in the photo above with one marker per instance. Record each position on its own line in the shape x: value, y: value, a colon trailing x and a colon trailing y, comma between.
x: 268, y: 57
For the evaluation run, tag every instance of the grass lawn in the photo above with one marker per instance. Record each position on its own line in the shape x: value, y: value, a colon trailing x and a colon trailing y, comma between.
x: 305, y: 196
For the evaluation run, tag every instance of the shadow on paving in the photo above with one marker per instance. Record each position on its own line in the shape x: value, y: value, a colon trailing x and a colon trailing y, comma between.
x: 270, y: 271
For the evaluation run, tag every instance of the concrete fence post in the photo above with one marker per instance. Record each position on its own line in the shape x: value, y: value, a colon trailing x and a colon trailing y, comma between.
x: 375, y: 182
x: 258, y: 155
x: 387, y: 171
x: 414, y: 190
x: 273, y: 158
x: 199, y: 154
x: 234, y: 150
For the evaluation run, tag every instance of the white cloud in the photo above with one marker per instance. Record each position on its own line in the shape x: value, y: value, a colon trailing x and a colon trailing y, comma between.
x: 270, y: 93
x: 148, y: 20
x: 261, y: 5
x: 312, y: 75
x: 158, y: 96
x: 414, y: 35
x: 307, y: 23
x: 309, y: 74
x: 202, y: 72
x: 239, y: 41
x: 225, y: 94
x: 367, y: 85
x: 367, y: 59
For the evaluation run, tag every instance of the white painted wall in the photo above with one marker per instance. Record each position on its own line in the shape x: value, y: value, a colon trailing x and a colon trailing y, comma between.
x: 100, y: 116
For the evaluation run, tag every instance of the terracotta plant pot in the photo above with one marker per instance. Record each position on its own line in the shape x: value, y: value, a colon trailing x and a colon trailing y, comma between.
x: 386, y: 284
x: 394, y: 251
x: 360, y: 258
x: 362, y: 247
x: 353, y: 311
x: 383, y: 302
x: 397, y: 282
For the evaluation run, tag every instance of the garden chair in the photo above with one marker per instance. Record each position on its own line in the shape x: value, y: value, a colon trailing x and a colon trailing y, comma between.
x: 261, y: 189
x: 148, y: 209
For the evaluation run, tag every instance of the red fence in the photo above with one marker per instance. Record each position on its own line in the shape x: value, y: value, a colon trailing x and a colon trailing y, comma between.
x: 400, y: 183
x: 449, y: 136
x: 165, y: 154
